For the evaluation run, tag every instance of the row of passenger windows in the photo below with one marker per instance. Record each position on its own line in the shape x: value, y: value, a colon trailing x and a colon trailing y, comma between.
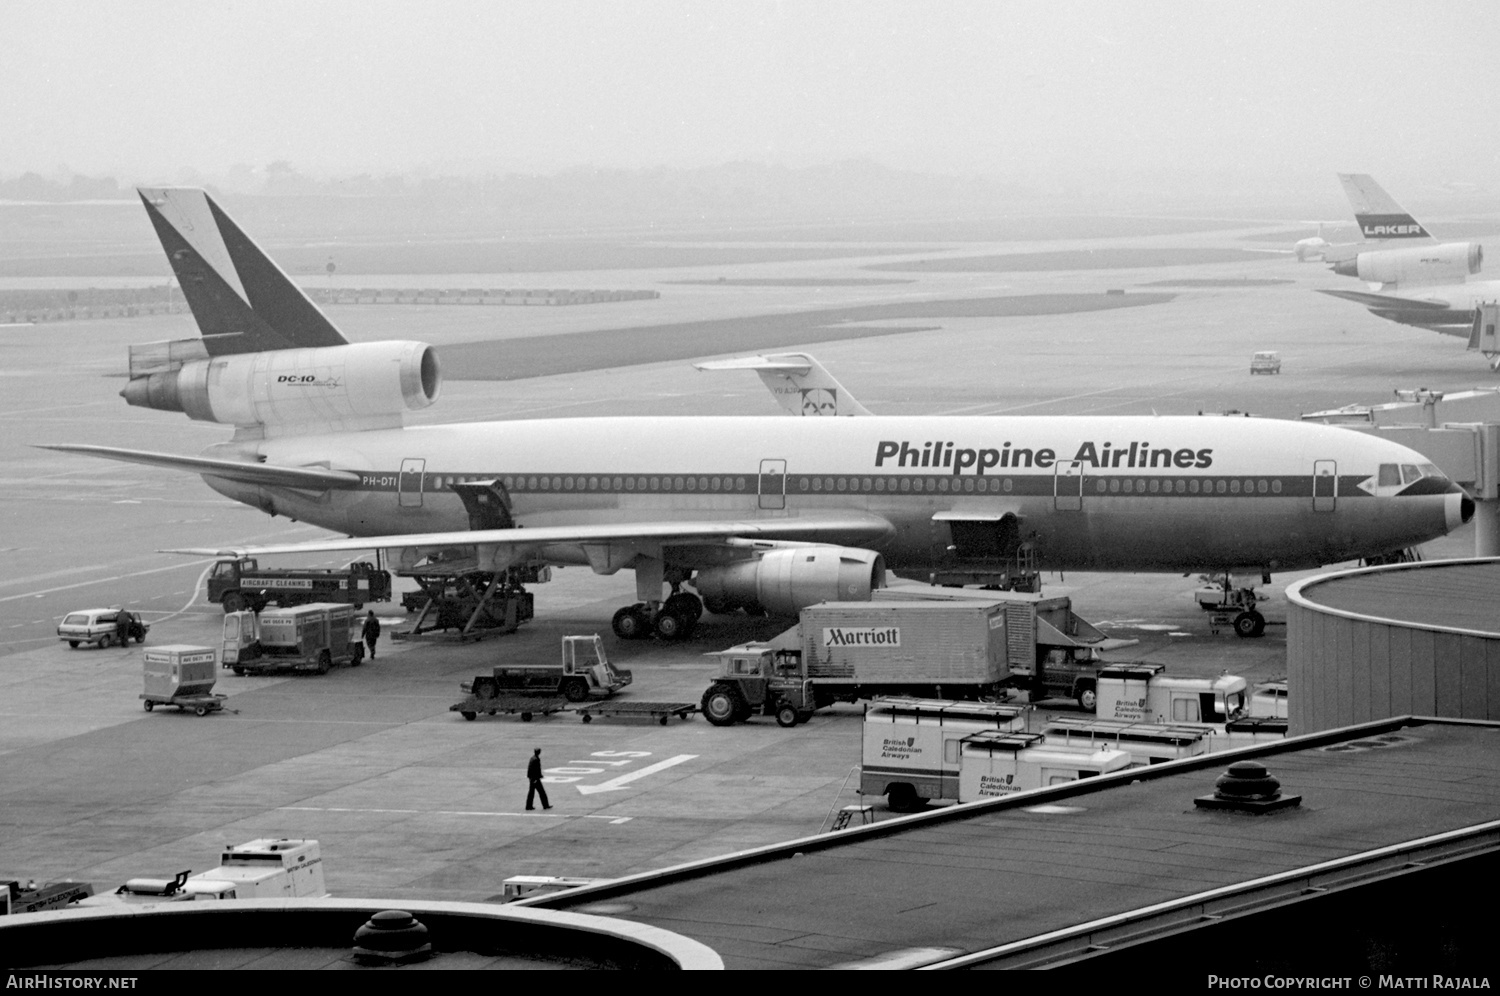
x: 580, y: 483
x: 866, y: 485
x: 1190, y: 486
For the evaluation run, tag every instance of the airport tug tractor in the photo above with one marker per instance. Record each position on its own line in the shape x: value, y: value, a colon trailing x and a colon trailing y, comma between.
x: 1231, y: 606
x: 759, y: 681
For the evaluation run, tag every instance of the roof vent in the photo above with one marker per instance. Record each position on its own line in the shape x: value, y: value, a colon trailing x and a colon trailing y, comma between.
x: 391, y: 936
x: 1248, y: 788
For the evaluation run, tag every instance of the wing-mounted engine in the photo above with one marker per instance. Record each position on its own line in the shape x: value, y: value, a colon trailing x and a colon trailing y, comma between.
x: 783, y: 581
x: 1448, y: 263
x: 286, y: 391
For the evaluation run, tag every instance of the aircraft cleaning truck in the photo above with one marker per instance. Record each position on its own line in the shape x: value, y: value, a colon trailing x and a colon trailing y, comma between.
x: 244, y: 584
x: 911, y: 746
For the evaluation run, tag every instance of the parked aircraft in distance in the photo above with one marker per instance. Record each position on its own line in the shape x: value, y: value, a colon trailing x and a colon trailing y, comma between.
x: 762, y: 513
x: 1425, y: 284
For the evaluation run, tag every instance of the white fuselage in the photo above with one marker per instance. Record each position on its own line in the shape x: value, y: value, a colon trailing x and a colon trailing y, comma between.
x: 1128, y: 493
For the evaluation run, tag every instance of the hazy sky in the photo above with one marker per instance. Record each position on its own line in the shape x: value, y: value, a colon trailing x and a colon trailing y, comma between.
x: 146, y: 88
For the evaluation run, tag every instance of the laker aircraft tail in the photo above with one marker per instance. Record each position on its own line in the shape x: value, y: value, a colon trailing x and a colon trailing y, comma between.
x: 1380, y: 218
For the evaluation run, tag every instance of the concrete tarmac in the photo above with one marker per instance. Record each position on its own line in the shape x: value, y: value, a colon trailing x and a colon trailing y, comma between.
x: 408, y: 799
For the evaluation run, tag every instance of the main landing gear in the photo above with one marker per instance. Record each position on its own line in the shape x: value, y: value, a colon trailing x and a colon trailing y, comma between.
x: 1231, y: 606
x: 673, y: 619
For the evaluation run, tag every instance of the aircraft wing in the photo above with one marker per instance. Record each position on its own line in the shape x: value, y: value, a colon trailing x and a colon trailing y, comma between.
x: 1387, y: 302
x: 269, y: 475
x: 841, y: 527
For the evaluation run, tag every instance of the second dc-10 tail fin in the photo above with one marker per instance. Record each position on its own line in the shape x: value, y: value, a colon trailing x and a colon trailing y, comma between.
x: 241, y: 300
x: 797, y: 382
x: 1380, y: 218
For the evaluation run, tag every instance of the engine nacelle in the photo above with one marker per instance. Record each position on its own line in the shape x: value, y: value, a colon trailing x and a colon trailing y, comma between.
x: 361, y: 385
x: 1452, y: 261
x: 782, y: 582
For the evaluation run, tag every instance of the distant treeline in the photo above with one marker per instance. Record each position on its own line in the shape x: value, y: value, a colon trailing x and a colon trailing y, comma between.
x: 127, y: 302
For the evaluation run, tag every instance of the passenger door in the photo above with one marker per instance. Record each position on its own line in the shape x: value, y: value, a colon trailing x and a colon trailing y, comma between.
x: 409, y: 483
x: 1325, y: 485
x: 773, y: 484
x: 1068, y: 486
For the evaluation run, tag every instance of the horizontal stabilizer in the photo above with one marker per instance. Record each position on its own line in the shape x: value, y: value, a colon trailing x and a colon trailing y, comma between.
x: 268, y: 475
x: 839, y: 526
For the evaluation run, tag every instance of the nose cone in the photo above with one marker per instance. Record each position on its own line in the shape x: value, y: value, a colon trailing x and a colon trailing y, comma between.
x: 1458, y: 508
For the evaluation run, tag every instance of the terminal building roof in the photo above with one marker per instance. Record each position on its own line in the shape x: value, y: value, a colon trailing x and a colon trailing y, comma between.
x: 937, y: 886
x: 1454, y: 595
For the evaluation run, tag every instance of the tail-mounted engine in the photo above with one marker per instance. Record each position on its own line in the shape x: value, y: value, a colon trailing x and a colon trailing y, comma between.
x: 782, y: 582
x: 286, y: 391
x: 1421, y: 265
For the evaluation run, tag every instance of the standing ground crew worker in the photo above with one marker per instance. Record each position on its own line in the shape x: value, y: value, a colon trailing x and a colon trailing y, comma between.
x: 371, y: 632
x: 534, y: 776
x: 122, y: 627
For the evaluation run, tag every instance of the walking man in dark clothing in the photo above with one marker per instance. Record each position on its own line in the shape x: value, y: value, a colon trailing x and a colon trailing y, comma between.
x: 534, y: 776
x: 371, y: 632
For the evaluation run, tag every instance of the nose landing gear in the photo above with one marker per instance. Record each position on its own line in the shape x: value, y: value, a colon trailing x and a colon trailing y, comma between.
x: 1231, y: 606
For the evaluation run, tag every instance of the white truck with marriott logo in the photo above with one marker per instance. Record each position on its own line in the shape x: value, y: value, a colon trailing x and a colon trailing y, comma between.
x: 911, y: 746
x: 845, y: 651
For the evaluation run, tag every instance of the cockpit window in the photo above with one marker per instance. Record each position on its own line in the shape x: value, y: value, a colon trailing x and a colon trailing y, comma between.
x: 1390, y: 475
x: 1430, y: 470
x: 1409, y: 473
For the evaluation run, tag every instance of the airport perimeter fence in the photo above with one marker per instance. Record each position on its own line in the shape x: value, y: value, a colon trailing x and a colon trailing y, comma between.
x: 35, y: 306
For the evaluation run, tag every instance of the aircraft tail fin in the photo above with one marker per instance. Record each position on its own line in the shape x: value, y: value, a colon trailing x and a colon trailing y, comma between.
x: 797, y: 382
x: 1379, y: 216
x: 241, y: 300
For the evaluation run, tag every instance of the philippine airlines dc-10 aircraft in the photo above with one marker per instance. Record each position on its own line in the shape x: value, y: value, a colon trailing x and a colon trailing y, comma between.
x: 765, y: 513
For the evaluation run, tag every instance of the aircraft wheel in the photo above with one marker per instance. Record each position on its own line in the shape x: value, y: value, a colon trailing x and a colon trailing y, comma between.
x: 689, y: 607
x: 671, y: 625
x: 1248, y: 624
x: 630, y: 623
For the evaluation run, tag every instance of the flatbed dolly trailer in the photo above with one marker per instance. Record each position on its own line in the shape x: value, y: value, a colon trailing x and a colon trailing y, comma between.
x: 911, y: 746
x: 243, y: 584
x: 659, y: 711
x: 312, y: 637
x: 526, y: 706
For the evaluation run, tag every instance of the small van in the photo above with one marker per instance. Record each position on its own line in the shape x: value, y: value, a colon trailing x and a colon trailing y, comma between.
x: 1265, y: 362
